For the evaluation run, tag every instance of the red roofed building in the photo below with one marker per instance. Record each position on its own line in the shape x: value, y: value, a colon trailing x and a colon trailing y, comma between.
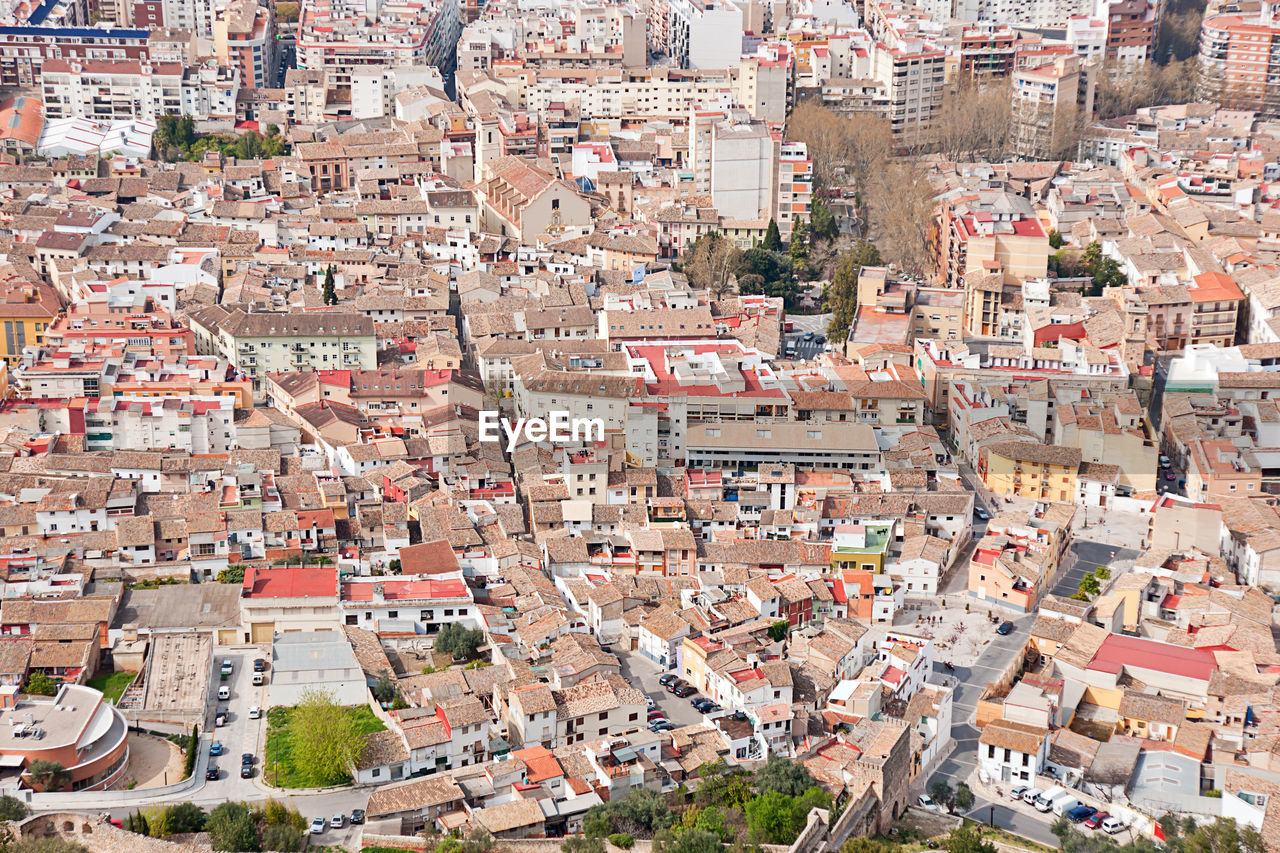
x: 427, y: 602
x: 429, y: 558
x: 1176, y: 671
x: 989, y: 232
x: 1215, y: 301
x: 288, y: 599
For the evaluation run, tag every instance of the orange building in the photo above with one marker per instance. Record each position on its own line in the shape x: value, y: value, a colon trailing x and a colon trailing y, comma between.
x: 76, y: 728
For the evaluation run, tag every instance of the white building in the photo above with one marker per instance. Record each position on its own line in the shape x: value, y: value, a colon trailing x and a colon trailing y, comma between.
x: 704, y: 33
x: 1011, y: 752
x: 111, y: 90
x: 742, y: 170
x: 320, y: 660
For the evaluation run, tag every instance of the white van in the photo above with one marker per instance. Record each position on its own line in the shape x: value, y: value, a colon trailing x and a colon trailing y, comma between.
x: 224, y: 692
x: 257, y: 679
x: 1044, y: 802
x: 1112, y: 825
x: 1031, y: 795
x: 1063, y: 804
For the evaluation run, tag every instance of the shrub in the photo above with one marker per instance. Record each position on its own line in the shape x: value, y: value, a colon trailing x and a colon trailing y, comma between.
x: 622, y: 840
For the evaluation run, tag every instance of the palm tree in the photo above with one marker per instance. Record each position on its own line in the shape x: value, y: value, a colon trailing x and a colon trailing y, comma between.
x: 48, y: 775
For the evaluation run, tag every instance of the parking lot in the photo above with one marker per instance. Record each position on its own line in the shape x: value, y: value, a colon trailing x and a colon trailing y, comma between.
x: 240, y: 734
x: 643, y: 674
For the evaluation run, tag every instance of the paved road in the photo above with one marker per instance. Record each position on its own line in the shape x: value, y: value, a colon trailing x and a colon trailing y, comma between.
x: 1086, y: 556
x: 643, y: 674
x: 802, y: 323
x: 962, y: 764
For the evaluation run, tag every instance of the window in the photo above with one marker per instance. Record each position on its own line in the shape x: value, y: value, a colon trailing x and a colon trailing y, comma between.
x: 393, y: 614
x: 631, y: 718
x: 764, y: 433
x: 604, y: 716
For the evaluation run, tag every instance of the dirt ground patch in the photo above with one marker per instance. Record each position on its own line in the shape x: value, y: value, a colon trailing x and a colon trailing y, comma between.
x: 153, y: 762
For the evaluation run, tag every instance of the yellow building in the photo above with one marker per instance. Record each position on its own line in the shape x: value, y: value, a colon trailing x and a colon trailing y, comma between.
x: 694, y: 652
x: 27, y: 310
x: 1027, y: 469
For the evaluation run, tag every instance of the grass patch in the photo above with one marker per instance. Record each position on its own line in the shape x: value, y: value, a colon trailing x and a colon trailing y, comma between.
x: 374, y: 848
x: 113, y: 684
x: 280, y: 767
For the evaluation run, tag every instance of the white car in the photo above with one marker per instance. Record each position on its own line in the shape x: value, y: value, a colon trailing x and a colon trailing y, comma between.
x: 254, y: 712
x: 338, y: 821
x: 926, y: 802
x: 317, y: 825
x: 1017, y: 792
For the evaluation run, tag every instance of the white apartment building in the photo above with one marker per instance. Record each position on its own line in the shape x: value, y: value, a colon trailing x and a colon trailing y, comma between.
x: 742, y: 170
x: 1048, y: 103
x: 704, y: 33
x: 374, y: 87
x: 336, y: 37
x: 111, y: 90
x: 209, y: 92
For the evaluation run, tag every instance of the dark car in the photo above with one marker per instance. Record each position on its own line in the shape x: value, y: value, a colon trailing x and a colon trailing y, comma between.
x: 1005, y: 629
x: 1095, y: 820
x: 246, y: 771
x: 668, y: 679
x: 684, y: 691
x: 1080, y: 813
x: 357, y: 816
x: 1168, y: 475
x: 673, y: 686
x: 711, y: 709
x: 246, y: 758
x: 699, y: 701
x: 259, y: 665
x: 211, y: 773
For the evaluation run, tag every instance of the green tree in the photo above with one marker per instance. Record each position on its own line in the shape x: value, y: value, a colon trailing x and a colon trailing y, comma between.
x: 1102, y: 573
x: 1056, y: 240
x: 193, y: 749
x: 775, y: 818
x: 842, y: 293
x: 287, y: 11
x: 48, y: 775
x: 711, y: 820
x: 39, y: 684
x: 325, y: 739
x: 772, y: 238
x: 967, y: 838
x: 582, y: 844
x: 822, y: 222
x: 641, y: 813
x: 778, y: 630
x: 798, y: 248
x: 384, y: 689
x: 11, y: 808
x: 282, y: 838
x: 964, y: 797
x: 186, y: 817
x: 1089, y: 585
x: 1104, y: 271
x: 330, y: 292
x: 786, y: 777
x: 458, y: 640
x: 158, y: 822
x: 688, y: 841
x: 231, y: 828
x: 940, y: 792
x: 232, y: 574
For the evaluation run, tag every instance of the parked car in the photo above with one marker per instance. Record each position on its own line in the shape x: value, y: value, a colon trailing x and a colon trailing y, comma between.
x: 659, y: 726
x: 655, y: 714
x: 254, y: 712
x: 317, y: 825
x: 1164, y: 461
x: 357, y: 816
x: 1005, y: 629
x: 246, y: 771
x: 1168, y: 475
x: 668, y: 679
x: 220, y: 719
x: 215, y: 748
x: 1031, y: 795
x: 808, y: 336
x: 699, y: 701
x: 684, y: 691
x: 338, y: 821
x: 1112, y: 825
x: 1095, y: 820
x: 982, y: 514
x: 924, y: 801
x: 259, y: 665
x: 258, y: 679
x: 226, y: 667
x: 820, y: 339
x: 710, y: 709
x: 1018, y: 791
x: 212, y: 773
x: 246, y: 758
x: 224, y: 692
x: 1081, y: 813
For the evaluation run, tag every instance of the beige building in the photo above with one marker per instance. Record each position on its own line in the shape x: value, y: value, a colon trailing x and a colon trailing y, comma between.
x: 522, y: 201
